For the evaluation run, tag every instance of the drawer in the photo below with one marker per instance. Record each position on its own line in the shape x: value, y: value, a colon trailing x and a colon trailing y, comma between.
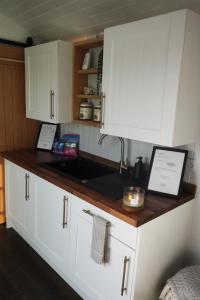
x: 120, y: 230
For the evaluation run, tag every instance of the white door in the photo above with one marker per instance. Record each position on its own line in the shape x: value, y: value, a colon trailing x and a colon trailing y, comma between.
x: 99, y: 282
x: 135, y: 68
x: 41, y: 74
x: 19, y: 198
x: 51, y: 222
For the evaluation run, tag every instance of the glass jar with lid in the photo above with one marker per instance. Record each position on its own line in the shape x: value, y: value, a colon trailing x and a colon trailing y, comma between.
x: 97, y: 112
x: 85, y: 111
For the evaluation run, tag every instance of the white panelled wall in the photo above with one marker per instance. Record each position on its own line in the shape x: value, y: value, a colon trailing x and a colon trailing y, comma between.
x: 193, y: 245
x: 11, y: 31
x: 110, y: 149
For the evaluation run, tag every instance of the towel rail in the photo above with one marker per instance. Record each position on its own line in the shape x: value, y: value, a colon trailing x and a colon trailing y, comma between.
x: 88, y: 212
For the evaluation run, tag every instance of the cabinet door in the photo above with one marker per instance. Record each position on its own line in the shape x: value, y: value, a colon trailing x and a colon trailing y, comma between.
x: 139, y: 58
x: 94, y: 281
x: 19, y: 199
x: 51, y: 222
x: 41, y: 74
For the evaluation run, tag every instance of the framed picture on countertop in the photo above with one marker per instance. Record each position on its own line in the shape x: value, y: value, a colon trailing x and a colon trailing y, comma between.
x: 46, y: 135
x: 167, y: 168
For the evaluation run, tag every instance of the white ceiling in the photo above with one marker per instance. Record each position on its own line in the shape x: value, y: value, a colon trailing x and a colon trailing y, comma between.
x: 66, y: 19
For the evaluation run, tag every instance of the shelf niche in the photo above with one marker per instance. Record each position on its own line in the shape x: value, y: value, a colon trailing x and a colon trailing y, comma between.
x: 80, y: 77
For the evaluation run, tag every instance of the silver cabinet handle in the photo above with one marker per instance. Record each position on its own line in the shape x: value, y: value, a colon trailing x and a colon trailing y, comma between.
x: 123, y: 288
x: 65, y: 202
x: 88, y: 212
x: 51, y: 104
x: 103, y: 110
x: 27, y: 186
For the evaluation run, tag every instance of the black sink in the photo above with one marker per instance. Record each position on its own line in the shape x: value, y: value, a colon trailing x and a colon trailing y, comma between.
x: 98, y: 177
x: 79, y: 168
x: 111, y: 185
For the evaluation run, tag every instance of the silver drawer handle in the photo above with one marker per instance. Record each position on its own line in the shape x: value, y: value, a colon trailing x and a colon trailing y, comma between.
x: 103, y: 109
x: 51, y: 104
x: 27, y: 187
x: 65, y: 201
x: 123, y: 288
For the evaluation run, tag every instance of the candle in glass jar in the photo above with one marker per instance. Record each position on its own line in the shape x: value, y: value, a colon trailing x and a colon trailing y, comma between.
x: 133, y: 197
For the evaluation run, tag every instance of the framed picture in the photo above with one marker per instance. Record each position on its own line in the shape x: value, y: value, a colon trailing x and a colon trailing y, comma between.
x: 46, y: 136
x: 166, y: 171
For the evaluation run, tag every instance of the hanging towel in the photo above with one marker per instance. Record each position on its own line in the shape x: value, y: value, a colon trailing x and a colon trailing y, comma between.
x: 99, y: 247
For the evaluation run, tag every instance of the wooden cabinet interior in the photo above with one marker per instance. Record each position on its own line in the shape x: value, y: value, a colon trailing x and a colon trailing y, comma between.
x: 16, y: 132
x: 80, y: 77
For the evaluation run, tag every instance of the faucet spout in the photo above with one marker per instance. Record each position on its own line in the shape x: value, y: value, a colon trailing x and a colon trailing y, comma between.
x: 101, y: 138
x: 122, y: 164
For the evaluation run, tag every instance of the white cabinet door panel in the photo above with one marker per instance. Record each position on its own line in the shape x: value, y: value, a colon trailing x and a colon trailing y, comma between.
x: 137, y: 88
x: 51, y: 211
x: 99, y: 282
x: 48, y: 69
x: 40, y: 77
x: 134, y: 77
x: 142, y: 69
x: 19, y: 198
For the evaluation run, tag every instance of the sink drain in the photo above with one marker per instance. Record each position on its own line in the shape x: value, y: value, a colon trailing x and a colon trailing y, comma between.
x: 84, y: 181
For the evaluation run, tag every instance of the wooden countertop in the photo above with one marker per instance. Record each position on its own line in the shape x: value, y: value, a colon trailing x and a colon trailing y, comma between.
x: 154, y: 205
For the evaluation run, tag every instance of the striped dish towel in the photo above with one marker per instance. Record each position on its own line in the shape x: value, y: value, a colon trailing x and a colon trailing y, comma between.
x: 99, y: 246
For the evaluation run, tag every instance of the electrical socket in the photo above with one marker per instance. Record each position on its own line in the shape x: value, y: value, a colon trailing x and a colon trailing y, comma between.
x: 191, y: 155
x: 190, y: 164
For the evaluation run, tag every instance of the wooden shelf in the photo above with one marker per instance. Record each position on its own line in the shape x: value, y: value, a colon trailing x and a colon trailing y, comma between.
x: 80, y: 77
x: 89, y: 97
x: 91, y: 43
x: 87, y: 122
x: 88, y: 71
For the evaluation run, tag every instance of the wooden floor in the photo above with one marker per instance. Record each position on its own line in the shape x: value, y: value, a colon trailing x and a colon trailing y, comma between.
x: 26, y: 276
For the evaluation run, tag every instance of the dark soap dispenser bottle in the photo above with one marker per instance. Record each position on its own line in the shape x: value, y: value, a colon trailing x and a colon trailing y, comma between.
x: 139, y: 170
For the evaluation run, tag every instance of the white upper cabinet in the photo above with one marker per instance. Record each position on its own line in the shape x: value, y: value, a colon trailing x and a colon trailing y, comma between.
x: 49, y: 82
x: 151, y: 79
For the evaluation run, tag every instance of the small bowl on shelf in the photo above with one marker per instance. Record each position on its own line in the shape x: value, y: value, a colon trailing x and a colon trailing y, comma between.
x: 88, y: 90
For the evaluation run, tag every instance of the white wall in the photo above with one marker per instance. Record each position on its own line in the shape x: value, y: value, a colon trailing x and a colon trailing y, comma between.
x: 110, y: 147
x: 193, y: 245
x: 11, y: 31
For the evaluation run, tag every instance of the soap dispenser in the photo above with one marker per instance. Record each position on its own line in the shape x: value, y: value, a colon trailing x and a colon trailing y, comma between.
x: 139, y: 170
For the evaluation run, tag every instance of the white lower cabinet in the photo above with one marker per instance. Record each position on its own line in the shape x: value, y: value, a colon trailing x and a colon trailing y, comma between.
x: 39, y: 212
x: 51, y: 222
x: 107, y: 281
x: 20, y: 194
x: 58, y: 225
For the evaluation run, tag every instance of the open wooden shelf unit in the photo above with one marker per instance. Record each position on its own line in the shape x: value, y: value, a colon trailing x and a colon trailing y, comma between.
x: 80, y: 77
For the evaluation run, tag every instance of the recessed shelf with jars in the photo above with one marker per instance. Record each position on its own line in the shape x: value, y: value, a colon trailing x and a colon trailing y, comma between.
x: 83, y: 78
